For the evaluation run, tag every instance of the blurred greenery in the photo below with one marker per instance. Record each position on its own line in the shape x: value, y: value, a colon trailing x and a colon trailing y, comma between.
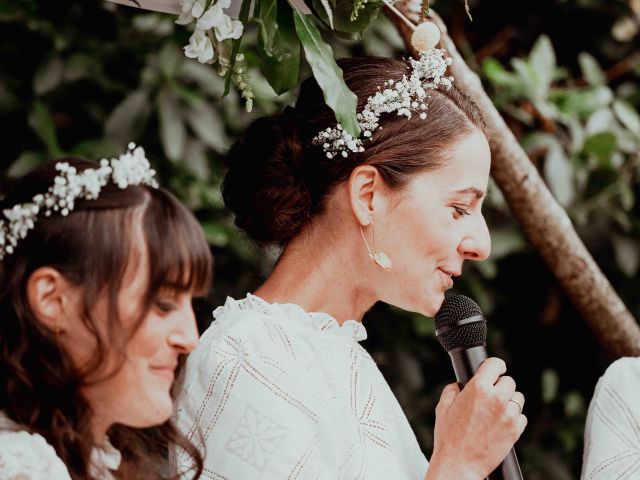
x: 85, y: 78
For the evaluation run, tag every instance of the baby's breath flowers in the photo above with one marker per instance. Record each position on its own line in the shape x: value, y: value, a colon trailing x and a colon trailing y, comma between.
x: 131, y: 168
x: 406, y: 96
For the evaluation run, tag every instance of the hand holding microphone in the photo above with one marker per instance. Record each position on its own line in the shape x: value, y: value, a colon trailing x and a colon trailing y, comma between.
x: 477, y: 426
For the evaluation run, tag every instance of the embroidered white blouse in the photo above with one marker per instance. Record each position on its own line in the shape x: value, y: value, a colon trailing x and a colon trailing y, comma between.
x: 612, y: 433
x: 274, y: 392
x: 28, y: 456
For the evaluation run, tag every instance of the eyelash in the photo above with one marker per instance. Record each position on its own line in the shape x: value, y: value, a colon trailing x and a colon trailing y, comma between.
x: 461, y: 211
x: 165, y: 307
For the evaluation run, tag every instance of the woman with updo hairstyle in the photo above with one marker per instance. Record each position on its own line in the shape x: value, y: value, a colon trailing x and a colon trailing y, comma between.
x: 279, y: 387
x: 96, y: 282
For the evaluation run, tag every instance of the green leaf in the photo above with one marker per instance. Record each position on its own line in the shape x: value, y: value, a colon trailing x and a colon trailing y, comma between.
x: 41, y: 121
x: 267, y: 18
x: 216, y: 233
x: 327, y: 73
x: 601, y: 145
x: 559, y: 176
x: 282, y: 68
x: 208, y: 126
x: 549, y: 383
x: 591, y: 70
x: 127, y: 118
x: 627, y: 254
x: 25, y: 163
x: 543, y: 64
x: 169, y: 59
x: 498, y: 75
x: 95, y: 148
x: 204, y: 76
x: 48, y: 76
x: 627, y: 115
x: 341, y: 21
x: 582, y: 102
x: 173, y: 133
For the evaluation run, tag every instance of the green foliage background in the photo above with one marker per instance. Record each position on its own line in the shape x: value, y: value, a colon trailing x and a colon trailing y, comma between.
x: 85, y: 78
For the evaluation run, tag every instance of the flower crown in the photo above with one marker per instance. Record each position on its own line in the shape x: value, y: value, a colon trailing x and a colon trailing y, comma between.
x: 131, y: 168
x: 406, y: 96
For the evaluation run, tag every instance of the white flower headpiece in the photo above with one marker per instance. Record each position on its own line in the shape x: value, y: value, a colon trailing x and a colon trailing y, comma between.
x: 131, y: 168
x: 407, y: 96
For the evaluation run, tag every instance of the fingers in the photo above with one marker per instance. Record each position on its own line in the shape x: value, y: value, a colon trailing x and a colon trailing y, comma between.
x: 489, y: 372
x: 449, y: 394
x: 519, y: 398
x: 505, y: 388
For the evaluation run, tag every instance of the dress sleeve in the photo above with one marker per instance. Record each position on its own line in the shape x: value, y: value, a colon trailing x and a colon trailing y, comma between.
x: 25, y: 456
x: 612, y: 433
x: 247, y: 406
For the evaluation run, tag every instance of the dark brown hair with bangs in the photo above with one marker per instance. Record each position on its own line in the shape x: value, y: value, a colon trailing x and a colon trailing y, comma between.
x: 40, y: 388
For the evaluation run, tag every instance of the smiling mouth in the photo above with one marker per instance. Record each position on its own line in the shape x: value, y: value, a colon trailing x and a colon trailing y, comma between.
x: 448, y: 277
x: 167, y: 372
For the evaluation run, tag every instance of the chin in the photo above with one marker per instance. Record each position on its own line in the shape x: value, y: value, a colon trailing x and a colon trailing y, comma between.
x: 433, y: 304
x: 153, y: 408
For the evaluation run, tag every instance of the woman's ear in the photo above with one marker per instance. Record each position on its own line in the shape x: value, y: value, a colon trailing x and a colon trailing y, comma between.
x: 50, y: 297
x: 367, y: 193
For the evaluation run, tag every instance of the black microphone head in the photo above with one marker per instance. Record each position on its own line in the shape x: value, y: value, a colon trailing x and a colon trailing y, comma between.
x: 460, y: 323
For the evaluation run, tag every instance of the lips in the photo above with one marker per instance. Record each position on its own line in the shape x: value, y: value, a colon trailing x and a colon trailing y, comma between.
x: 447, y: 276
x: 164, y: 371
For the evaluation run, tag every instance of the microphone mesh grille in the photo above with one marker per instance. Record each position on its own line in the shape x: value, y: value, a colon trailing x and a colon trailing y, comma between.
x: 465, y: 335
x: 454, y: 309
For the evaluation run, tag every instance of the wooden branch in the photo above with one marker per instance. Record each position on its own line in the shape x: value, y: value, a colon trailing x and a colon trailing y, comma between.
x: 166, y: 6
x: 543, y: 220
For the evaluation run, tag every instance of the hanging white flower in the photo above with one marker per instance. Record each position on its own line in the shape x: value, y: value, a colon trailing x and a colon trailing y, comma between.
x: 223, y: 26
x: 190, y: 10
x: 199, y: 47
x: 228, y: 29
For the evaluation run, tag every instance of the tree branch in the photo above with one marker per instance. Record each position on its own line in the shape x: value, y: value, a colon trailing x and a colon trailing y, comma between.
x: 542, y: 219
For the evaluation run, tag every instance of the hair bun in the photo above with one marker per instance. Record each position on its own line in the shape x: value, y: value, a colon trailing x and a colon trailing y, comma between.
x: 265, y: 185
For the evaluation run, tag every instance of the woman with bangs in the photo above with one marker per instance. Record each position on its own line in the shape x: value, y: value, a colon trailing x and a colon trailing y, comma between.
x: 97, y: 272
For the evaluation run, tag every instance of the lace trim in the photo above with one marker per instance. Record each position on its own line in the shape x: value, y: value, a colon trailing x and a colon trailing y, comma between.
x: 318, y: 321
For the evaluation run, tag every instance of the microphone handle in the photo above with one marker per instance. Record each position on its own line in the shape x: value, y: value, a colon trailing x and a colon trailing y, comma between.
x: 465, y: 364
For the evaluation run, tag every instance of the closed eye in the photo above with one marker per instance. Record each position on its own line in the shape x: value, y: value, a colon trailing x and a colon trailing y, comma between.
x: 165, y: 307
x: 460, y: 211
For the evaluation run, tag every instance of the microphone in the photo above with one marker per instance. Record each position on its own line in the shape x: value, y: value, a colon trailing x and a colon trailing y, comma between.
x: 461, y: 329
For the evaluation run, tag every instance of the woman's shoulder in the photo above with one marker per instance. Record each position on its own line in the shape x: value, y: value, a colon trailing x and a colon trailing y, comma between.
x: 623, y: 375
x: 612, y: 423
x: 28, y: 456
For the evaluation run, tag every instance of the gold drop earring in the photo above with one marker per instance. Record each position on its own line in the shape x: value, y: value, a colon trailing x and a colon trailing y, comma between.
x: 380, y: 258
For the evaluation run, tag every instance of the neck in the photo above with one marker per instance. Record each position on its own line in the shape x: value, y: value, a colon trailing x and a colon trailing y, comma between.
x: 99, y: 427
x: 321, y: 275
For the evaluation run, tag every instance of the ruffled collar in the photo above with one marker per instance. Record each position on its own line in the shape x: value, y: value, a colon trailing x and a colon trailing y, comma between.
x: 104, y: 460
x: 321, y: 322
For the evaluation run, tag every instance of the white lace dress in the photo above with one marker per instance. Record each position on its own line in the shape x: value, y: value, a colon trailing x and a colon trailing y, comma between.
x: 612, y: 434
x: 273, y: 392
x: 28, y: 456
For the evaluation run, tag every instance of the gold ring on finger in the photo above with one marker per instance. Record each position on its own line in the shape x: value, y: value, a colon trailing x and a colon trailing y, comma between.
x: 517, y: 403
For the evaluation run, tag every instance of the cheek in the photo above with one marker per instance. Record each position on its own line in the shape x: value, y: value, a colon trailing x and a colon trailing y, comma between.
x: 148, y: 340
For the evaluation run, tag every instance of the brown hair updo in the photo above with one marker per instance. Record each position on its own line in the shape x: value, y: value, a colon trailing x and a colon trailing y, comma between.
x: 278, y: 180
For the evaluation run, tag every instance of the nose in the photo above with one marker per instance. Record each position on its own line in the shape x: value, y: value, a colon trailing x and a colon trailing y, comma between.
x: 476, y: 245
x: 184, y: 336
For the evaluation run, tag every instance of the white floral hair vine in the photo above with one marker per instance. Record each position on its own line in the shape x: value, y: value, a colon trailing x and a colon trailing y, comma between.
x: 131, y: 168
x: 406, y: 96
